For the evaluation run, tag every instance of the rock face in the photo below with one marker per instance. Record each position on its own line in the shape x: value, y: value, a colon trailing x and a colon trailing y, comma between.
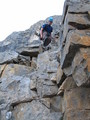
x: 74, y: 71
x: 28, y: 89
x: 52, y: 84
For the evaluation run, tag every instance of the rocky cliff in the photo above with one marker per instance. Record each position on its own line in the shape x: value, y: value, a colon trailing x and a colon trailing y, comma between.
x: 75, y: 60
x: 28, y: 89
x: 52, y: 84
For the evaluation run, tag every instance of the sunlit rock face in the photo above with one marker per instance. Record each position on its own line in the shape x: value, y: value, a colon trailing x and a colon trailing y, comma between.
x: 74, y: 80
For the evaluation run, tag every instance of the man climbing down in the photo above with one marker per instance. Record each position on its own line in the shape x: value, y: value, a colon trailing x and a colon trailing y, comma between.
x: 45, y: 32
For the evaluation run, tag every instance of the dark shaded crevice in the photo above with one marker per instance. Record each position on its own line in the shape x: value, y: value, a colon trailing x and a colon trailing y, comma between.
x: 79, y: 26
x: 14, y: 62
x: 32, y: 54
x: 66, y: 10
x: 64, y: 41
x: 44, y: 104
x: 49, y: 96
x: 30, y: 61
x: 78, y: 12
x: 2, y: 71
x: 21, y: 102
x: 49, y: 85
x: 13, y: 105
x: 9, y: 62
x: 73, y: 49
x: 87, y: 109
x: 62, y: 80
x: 87, y: 83
x: 62, y: 118
x: 66, y: 36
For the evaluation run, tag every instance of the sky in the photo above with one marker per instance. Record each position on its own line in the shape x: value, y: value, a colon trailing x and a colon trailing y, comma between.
x: 19, y: 15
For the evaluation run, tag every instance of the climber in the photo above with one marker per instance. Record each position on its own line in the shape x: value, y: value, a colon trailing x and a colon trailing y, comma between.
x: 45, y: 32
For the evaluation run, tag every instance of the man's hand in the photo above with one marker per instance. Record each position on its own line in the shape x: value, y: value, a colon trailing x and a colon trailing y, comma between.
x: 41, y: 38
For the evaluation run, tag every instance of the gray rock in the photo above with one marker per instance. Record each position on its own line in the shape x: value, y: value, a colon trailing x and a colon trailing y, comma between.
x: 43, y: 61
x: 59, y: 75
x: 52, y: 67
x: 46, y: 88
x: 74, y: 41
x: 41, y: 83
x: 34, y: 62
x: 8, y: 115
x: 79, y: 8
x: 53, y: 77
x: 34, y: 111
x: 81, y: 75
x: 33, y: 81
x: 31, y: 50
x: 78, y: 18
x: 67, y: 85
x: 75, y: 59
x: 76, y: 62
x: 78, y: 102
x: 17, y: 83
x: 2, y: 68
x: 48, y: 91
x: 79, y: 114
x: 26, y: 76
x: 80, y: 67
x: 23, y: 60
x: 16, y: 70
x: 18, y: 90
x: 56, y: 104
x: 7, y: 57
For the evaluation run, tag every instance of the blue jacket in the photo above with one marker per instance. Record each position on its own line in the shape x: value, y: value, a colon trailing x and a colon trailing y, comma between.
x: 48, y: 28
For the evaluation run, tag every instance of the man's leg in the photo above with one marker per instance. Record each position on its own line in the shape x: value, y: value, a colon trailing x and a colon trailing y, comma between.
x: 47, y: 41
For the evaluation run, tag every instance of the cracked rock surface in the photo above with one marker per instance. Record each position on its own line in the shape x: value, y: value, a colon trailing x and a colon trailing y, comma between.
x: 28, y: 88
x: 52, y: 84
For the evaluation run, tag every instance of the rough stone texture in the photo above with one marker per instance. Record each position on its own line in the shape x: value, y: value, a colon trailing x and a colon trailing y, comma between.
x: 75, y: 39
x: 59, y: 75
x: 68, y: 84
x: 28, y: 88
x: 76, y: 105
x: 73, y: 99
x: 52, y: 84
x: 77, y: 115
x: 15, y: 80
x: 31, y: 50
x: 7, y: 57
x: 34, y: 111
x: 75, y: 60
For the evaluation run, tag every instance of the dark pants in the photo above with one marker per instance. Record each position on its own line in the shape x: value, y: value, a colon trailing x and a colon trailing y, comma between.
x: 46, y: 39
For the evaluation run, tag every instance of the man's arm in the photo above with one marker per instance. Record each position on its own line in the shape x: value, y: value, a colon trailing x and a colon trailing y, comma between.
x: 41, y: 33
